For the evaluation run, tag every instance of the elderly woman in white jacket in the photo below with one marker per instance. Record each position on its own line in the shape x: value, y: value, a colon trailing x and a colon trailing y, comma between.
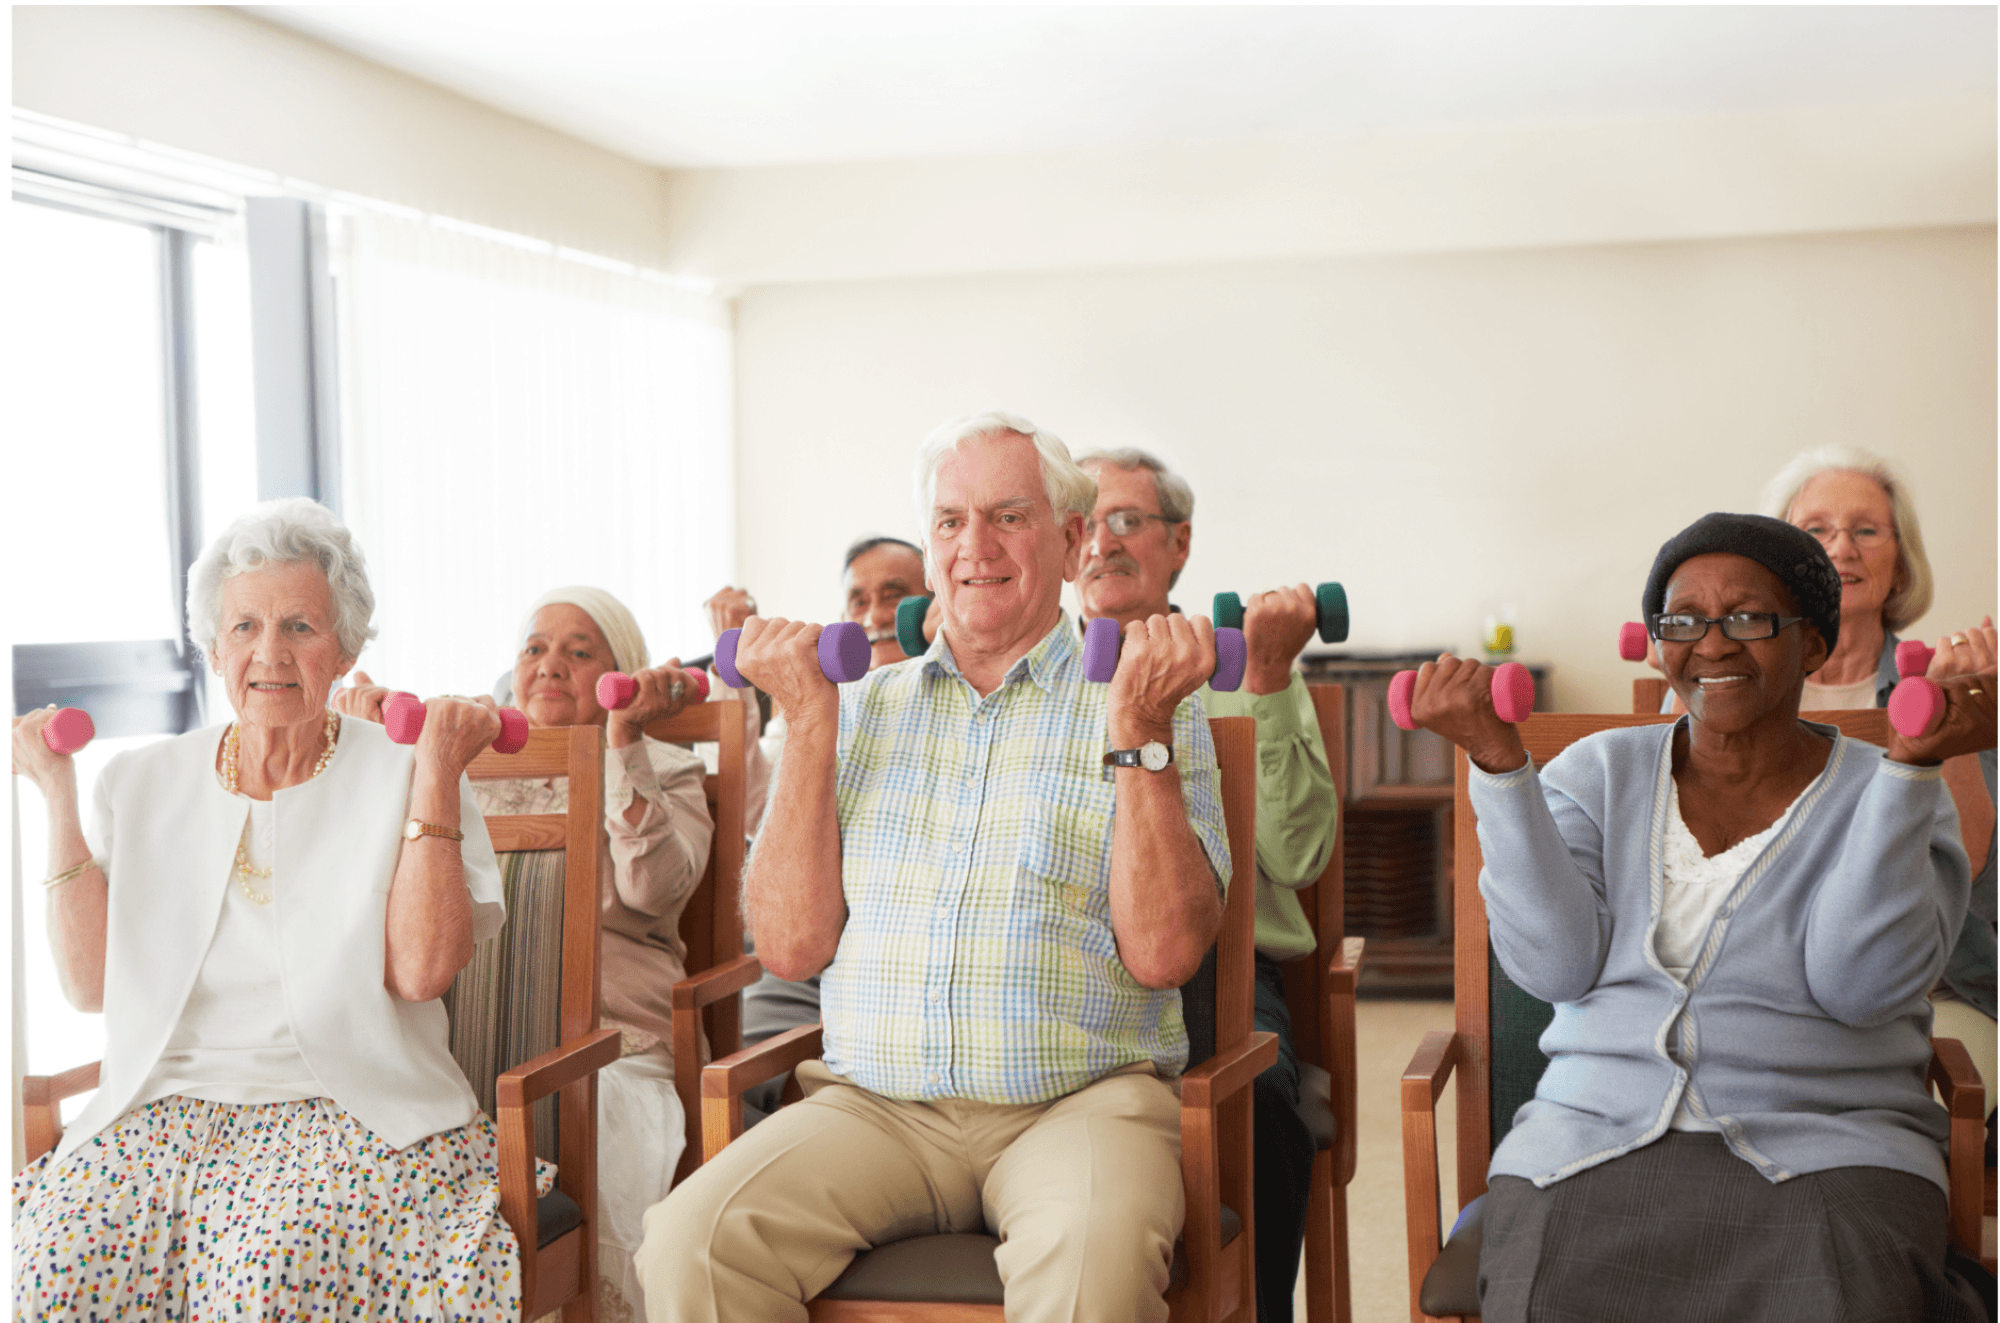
x: 266, y: 912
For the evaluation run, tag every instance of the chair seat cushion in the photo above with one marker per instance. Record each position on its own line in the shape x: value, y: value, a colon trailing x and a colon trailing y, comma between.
x: 556, y: 1214
x: 1316, y: 1104
x: 954, y: 1269
x: 1451, y: 1287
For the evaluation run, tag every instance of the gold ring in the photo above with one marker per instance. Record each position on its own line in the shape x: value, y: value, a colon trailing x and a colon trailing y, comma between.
x: 1975, y: 691
x: 1956, y: 640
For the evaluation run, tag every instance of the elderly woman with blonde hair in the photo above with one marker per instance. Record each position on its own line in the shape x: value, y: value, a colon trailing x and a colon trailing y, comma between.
x: 656, y: 818
x: 279, y: 1130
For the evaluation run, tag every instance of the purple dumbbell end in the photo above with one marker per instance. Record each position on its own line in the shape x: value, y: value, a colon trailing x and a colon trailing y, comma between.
x: 725, y: 659
x: 1632, y: 641
x: 843, y: 652
x: 1915, y: 705
x: 1401, y: 685
x: 1100, y: 650
x: 1912, y: 658
x: 1513, y: 692
x: 1232, y: 654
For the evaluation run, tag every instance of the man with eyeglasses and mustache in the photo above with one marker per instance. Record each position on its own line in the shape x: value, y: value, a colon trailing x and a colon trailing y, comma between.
x: 1136, y: 542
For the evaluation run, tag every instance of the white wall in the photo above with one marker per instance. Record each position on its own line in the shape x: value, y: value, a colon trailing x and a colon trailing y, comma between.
x: 1438, y: 432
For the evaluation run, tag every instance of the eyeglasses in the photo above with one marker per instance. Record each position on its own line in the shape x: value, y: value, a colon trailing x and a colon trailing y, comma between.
x: 1742, y: 626
x: 1865, y: 536
x: 1122, y: 523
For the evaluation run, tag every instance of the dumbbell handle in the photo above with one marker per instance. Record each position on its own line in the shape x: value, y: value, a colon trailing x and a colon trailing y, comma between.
x: 843, y: 654
x: 616, y: 690
x: 1102, y: 641
x: 68, y: 730
x: 403, y: 717
x: 1513, y: 694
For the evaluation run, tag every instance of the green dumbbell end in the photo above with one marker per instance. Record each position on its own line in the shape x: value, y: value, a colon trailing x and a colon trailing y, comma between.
x: 910, y: 614
x: 1228, y: 612
x: 1332, y: 613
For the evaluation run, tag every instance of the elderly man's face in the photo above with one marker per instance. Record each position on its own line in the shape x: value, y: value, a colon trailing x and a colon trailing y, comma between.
x: 1126, y: 576
x: 877, y: 581
x: 999, y: 552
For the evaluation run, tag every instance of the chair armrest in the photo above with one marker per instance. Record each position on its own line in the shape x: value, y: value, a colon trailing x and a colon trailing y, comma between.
x: 1342, y: 981
x: 723, y: 1082
x: 1423, y: 1081
x: 1229, y: 1071
x: 1964, y: 1097
x: 534, y: 1080
x: 1343, y: 972
x: 701, y: 990
x: 1957, y: 1079
x: 41, y: 1105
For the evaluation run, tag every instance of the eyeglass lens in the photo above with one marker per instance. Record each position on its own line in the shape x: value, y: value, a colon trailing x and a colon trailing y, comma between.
x: 1862, y: 535
x: 1743, y: 627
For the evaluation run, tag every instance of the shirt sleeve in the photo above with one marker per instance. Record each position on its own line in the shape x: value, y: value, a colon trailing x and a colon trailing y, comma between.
x: 480, y: 866
x: 1201, y: 786
x: 656, y: 862
x: 1297, y: 809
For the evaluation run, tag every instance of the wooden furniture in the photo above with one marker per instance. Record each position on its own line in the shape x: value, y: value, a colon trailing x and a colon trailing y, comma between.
x: 1319, y: 993
x: 708, y: 1003
x: 1215, y: 1267
x: 1491, y: 1051
x: 1649, y: 694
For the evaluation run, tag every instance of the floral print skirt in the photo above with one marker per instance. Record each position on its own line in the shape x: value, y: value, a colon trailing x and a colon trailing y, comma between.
x: 192, y: 1210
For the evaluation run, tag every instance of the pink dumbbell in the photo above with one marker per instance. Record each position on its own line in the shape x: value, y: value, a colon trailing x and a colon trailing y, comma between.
x: 1916, y: 703
x: 69, y: 730
x: 1102, y: 640
x: 615, y: 689
x: 1513, y: 694
x: 843, y: 654
x: 1632, y: 638
x: 403, y: 716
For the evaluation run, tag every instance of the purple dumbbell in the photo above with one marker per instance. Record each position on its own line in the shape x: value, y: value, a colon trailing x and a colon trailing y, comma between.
x: 1102, y: 640
x: 1916, y: 703
x: 1513, y: 694
x: 843, y: 654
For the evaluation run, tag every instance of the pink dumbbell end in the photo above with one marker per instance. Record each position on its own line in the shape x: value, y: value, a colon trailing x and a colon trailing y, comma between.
x: 403, y: 717
x: 1632, y: 641
x: 1401, y: 685
x: 1915, y: 706
x: 1913, y: 658
x: 69, y: 730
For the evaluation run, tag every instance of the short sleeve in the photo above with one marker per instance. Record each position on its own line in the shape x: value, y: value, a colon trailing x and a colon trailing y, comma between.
x: 482, y: 867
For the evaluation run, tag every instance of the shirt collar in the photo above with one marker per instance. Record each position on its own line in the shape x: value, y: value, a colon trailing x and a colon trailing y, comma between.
x: 1041, y: 664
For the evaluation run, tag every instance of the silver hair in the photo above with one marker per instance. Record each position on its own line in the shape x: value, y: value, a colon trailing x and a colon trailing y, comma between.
x: 1070, y: 490
x: 1175, y: 496
x: 284, y: 532
x: 1915, y: 585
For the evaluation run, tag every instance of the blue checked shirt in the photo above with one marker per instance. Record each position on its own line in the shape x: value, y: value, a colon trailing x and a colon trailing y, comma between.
x: 978, y: 959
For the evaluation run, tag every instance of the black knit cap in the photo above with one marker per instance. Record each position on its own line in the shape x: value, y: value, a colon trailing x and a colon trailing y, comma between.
x: 1792, y: 554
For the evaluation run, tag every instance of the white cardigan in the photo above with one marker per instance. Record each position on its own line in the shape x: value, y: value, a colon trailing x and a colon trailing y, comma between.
x: 166, y: 833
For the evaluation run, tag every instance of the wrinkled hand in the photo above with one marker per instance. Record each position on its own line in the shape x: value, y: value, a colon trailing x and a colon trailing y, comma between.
x: 656, y: 700
x: 781, y: 657
x: 457, y: 730
x: 1967, y: 725
x: 1163, y: 660
x: 727, y: 610
x: 34, y: 759
x: 1276, y: 628
x: 1970, y: 652
x: 1454, y: 697
x: 361, y: 697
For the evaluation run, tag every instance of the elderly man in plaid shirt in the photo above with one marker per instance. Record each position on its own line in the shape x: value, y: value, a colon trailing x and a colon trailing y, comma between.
x: 1005, y: 872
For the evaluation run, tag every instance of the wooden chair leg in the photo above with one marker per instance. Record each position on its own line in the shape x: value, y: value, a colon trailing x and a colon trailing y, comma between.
x: 1343, y: 1292
x: 1320, y: 1267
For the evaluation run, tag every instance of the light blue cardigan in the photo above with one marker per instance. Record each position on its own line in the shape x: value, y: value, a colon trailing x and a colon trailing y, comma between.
x: 1804, y: 1026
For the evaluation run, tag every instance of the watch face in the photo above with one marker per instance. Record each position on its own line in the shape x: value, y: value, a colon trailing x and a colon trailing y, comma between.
x: 1153, y: 756
x: 411, y: 830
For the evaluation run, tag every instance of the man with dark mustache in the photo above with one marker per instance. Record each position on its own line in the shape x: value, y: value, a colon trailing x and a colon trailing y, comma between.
x: 1135, y: 544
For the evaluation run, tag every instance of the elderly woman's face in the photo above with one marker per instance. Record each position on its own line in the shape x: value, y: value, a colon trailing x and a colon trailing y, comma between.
x: 555, y: 677
x: 1855, y: 521
x: 275, y: 646
x: 1730, y: 684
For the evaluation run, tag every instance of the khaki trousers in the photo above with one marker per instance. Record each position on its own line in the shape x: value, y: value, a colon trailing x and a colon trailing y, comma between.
x: 1084, y: 1193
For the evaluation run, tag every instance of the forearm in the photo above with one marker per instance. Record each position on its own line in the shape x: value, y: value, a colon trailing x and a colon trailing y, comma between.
x: 792, y: 893
x: 660, y: 843
x: 429, y: 929
x: 1165, y: 907
x: 77, y: 909
x: 1298, y: 811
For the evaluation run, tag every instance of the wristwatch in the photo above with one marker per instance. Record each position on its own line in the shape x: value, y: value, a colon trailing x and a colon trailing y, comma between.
x: 414, y: 828
x: 1152, y: 755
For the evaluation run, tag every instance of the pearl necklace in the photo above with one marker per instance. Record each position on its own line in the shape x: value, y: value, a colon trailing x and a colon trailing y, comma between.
x: 244, y: 869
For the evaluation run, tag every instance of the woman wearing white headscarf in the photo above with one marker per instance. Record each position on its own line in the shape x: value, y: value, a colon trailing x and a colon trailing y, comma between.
x: 659, y: 828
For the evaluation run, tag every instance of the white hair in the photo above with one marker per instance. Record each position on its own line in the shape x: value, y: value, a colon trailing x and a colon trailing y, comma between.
x: 1915, y: 586
x: 1176, y: 497
x: 284, y: 532
x: 1070, y: 490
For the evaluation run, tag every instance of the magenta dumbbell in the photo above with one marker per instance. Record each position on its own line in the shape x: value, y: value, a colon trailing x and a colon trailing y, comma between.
x: 1513, y: 694
x: 843, y: 654
x: 1632, y: 638
x: 615, y: 689
x: 69, y: 730
x: 1102, y: 639
x: 403, y: 716
x: 1916, y: 703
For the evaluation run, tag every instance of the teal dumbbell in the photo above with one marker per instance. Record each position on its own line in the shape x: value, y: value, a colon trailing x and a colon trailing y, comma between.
x: 1331, y: 601
x: 910, y: 613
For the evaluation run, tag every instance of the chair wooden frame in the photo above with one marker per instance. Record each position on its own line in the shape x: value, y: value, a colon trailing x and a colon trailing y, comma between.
x: 708, y: 1003
x: 1215, y: 1097
x: 1466, y: 1050
x: 1319, y: 993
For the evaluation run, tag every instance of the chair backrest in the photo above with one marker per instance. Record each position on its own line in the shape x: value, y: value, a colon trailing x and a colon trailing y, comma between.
x: 536, y: 985
x: 712, y: 923
x: 1325, y: 901
x: 1648, y: 693
x: 1500, y: 1025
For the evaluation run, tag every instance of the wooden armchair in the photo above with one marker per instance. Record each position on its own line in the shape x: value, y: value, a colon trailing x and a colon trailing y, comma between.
x: 1319, y: 993
x: 1213, y: 1276
x: 1495, y: 1055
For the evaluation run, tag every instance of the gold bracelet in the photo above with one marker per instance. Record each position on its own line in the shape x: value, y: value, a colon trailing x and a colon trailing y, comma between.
x: 415, y: 828
x: 69, y: 873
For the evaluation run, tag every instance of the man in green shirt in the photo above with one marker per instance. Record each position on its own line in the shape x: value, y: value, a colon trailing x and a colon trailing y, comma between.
x: 1135, y: 545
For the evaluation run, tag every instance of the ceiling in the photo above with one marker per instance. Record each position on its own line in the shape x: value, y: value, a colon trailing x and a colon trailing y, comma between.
x: 741, y: 85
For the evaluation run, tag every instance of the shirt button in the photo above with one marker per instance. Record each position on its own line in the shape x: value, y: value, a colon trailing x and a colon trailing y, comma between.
x: 931, y: 1078
x: 936, y: 996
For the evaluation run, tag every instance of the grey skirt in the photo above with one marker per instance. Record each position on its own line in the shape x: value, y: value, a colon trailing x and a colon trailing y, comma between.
x: 1683, y: 1230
